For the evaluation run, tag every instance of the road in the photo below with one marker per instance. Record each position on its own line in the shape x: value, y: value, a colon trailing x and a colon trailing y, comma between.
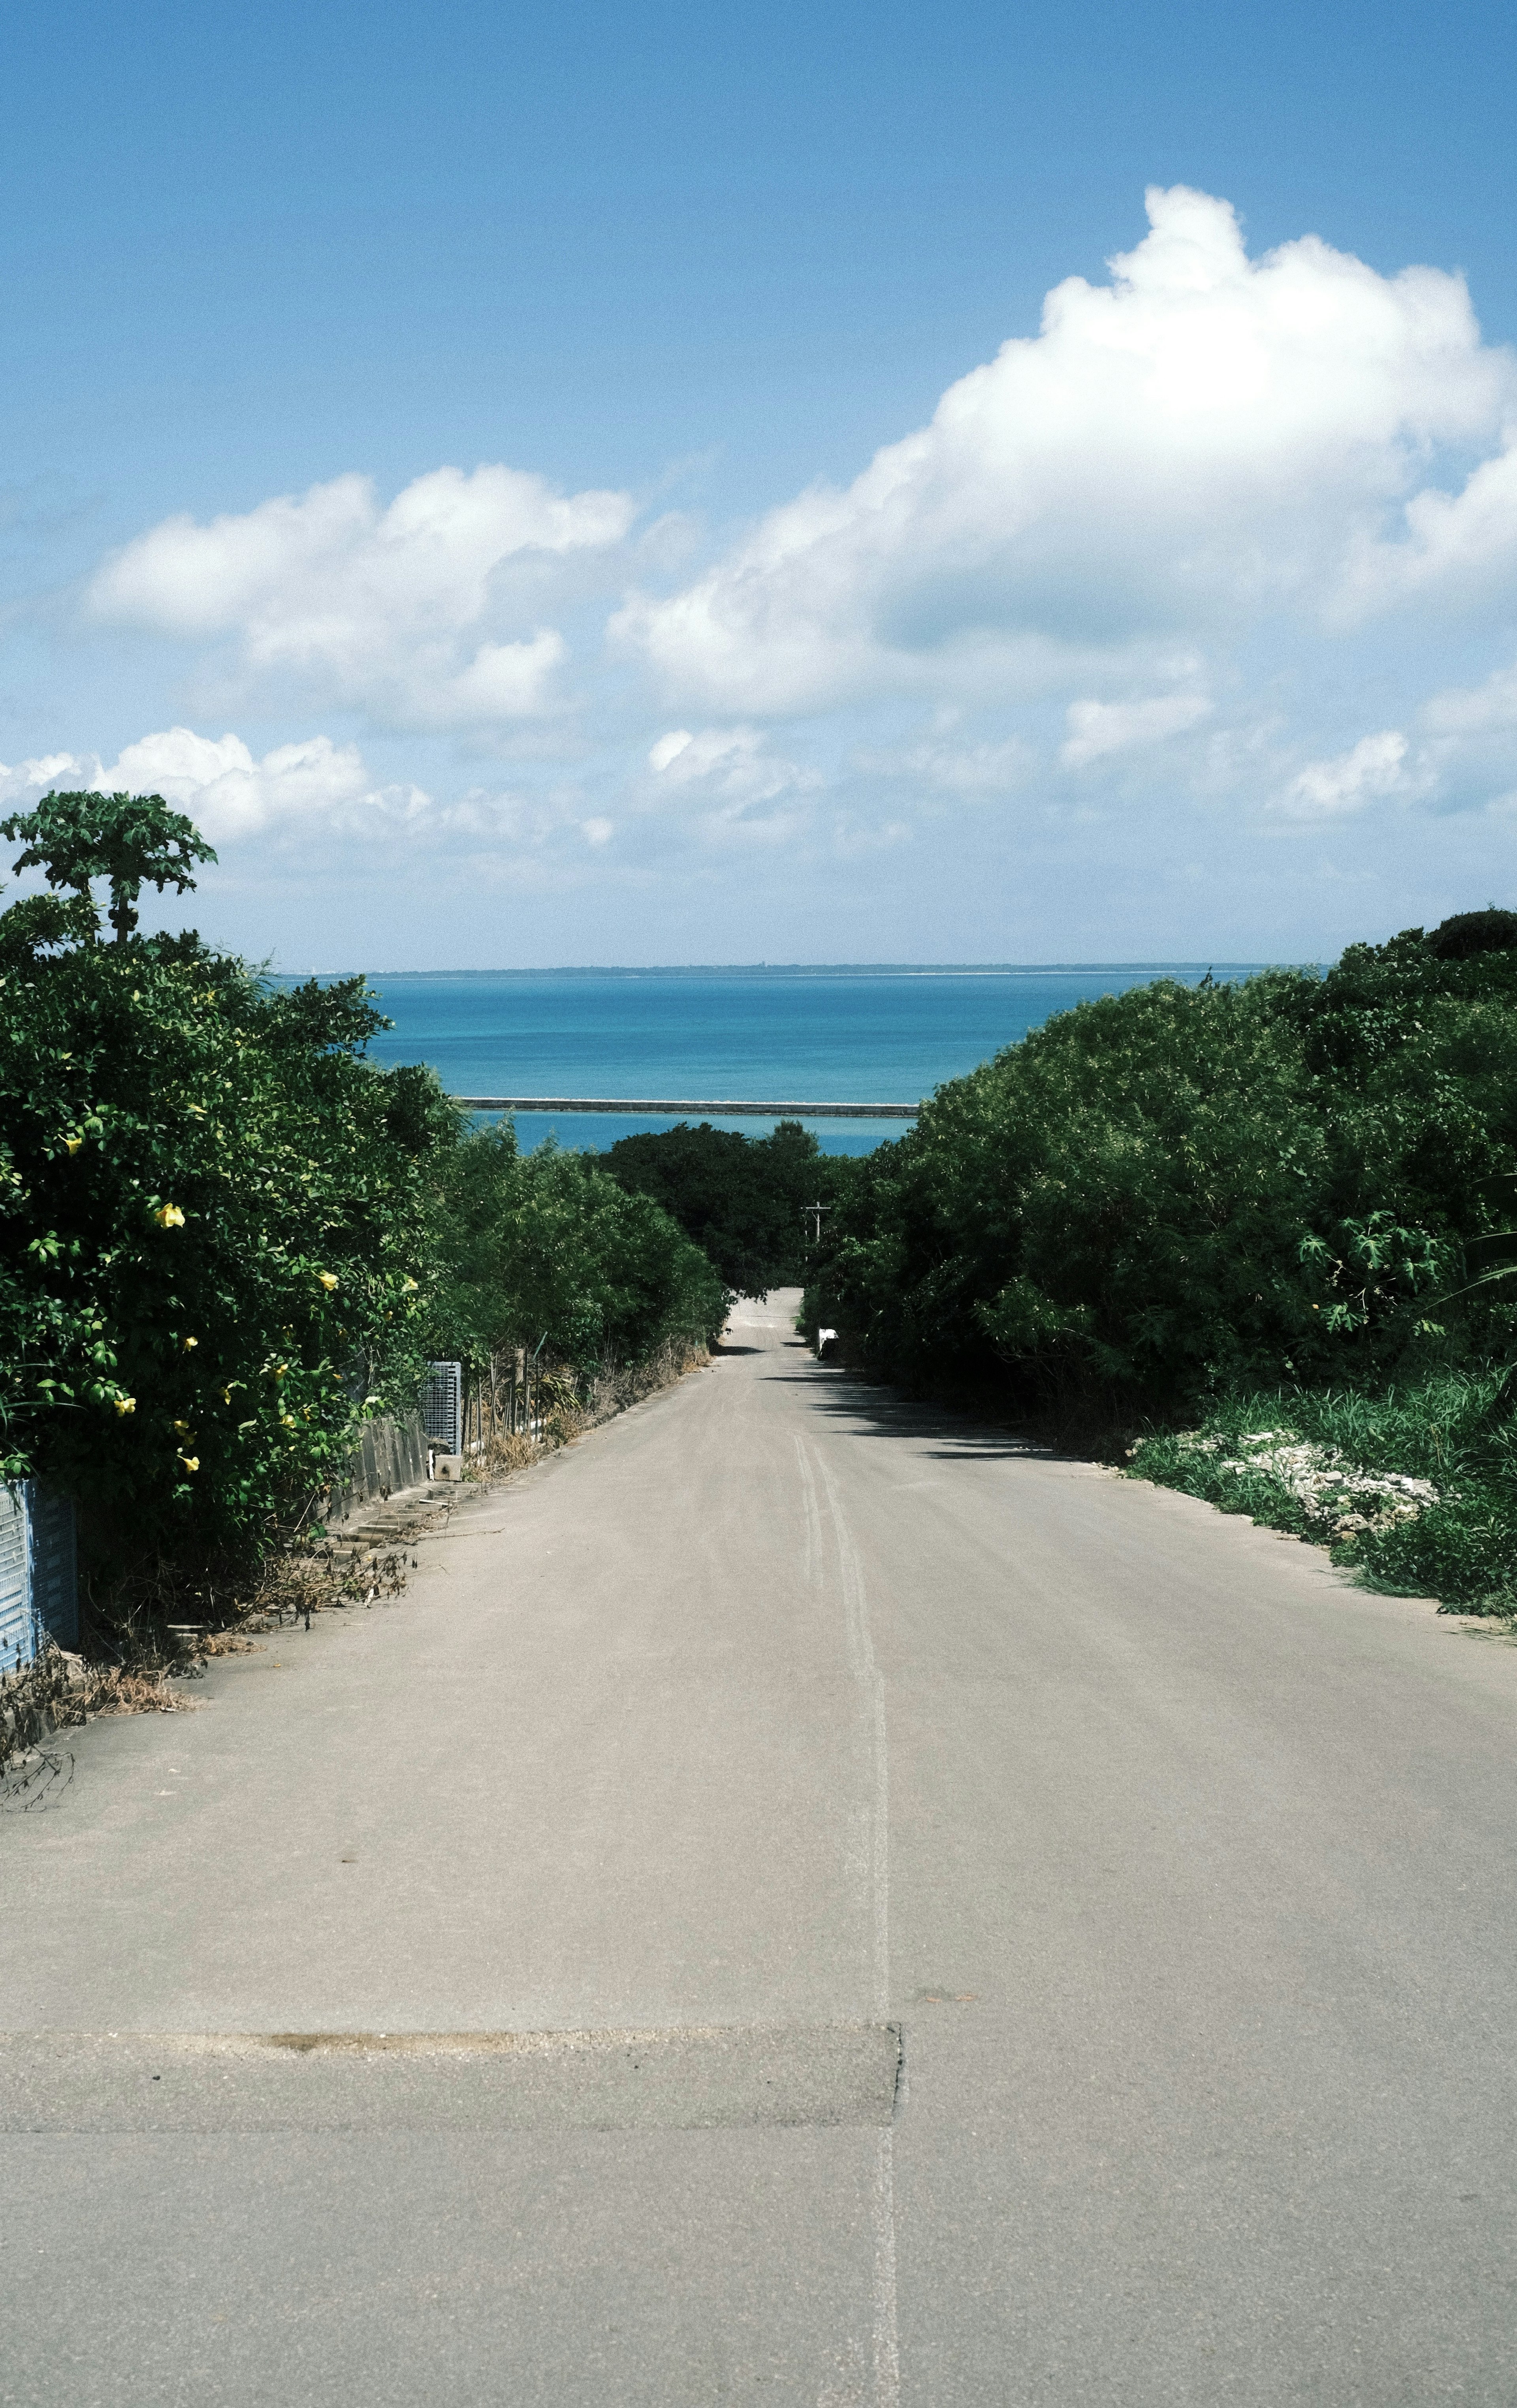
x: 994, y: 1933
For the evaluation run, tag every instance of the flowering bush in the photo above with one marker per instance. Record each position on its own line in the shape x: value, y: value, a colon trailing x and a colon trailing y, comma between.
x: 226, y: 1237
x: 215, y: 1228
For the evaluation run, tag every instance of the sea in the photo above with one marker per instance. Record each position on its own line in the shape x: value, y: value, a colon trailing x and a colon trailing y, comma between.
x: 847, y: 1034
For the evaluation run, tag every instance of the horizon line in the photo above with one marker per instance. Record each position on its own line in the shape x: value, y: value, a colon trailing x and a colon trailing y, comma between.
x: 795, y: 970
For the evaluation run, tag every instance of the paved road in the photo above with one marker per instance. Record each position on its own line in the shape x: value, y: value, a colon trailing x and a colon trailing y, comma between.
x: 996, y: 1934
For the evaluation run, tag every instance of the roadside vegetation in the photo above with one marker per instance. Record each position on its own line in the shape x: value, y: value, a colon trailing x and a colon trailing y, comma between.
x: 226, y: 1238
x: 1413, y: 1488
x: 1254, y: 1241
x: 1251, y: 1239
x: 545, y: 1249
x: 742, y: 1201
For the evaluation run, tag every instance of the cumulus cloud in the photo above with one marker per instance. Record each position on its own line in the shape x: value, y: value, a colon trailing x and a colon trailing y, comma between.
x: 1206, y: 438
x: 734, y: 762
x: 1467, y: 752
x: 737, y: 787
x: 424, y: 614
x: 28, y: 780
x: 1099, y: 728
x: 227, y: 791
x: 1457, y: 548
x: 1487, y: 709
x: 1376, y: 766
x: 1115, y: 559
x: 319, y: 791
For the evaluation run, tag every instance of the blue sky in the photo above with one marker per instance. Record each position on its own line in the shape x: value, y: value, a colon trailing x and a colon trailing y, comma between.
x: 438, y: 452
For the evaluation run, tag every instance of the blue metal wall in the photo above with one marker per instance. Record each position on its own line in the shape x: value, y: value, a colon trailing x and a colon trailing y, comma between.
x: 17, y: 1630
x: 38, y: 1573
x: 54, y: 1563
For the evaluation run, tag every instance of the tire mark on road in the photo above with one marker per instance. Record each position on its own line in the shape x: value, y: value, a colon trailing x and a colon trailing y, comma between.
x: 871, y: 1683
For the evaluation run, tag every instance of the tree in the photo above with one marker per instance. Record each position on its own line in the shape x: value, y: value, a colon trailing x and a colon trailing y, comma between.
x: 741, y: 1199
x: 214, y: 1244
x: 1467, y: 933
x: 546, y: 1246
x: 1173, y: 1192
x: 130, y: 840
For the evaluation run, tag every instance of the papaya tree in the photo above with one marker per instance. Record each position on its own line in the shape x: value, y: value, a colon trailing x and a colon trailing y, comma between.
x: 130, y: 840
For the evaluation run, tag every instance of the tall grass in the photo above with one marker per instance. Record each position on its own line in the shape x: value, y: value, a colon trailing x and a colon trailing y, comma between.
x: 1455, y: 1429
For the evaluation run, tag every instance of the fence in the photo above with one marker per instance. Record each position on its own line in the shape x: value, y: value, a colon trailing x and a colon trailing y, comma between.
x: 455, y: 1417
x: 506, y: 1401
x: 442, y: 1416
x: 464, y: 1413
x: 39, y: 1573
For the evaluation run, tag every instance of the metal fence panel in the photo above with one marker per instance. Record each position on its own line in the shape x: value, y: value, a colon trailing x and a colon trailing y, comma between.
x: 52, y: 1564
x: 442, y: 1407
x: 18, y: 1625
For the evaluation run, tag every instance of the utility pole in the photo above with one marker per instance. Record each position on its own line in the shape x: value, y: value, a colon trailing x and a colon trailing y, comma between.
x: 814, y: 1212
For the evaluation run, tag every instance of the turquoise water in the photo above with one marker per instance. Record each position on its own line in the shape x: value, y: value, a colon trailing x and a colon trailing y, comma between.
x: 848, y: 1035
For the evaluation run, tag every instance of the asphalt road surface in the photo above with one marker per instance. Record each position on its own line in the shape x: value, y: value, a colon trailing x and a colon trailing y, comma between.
x: 857, y: 1912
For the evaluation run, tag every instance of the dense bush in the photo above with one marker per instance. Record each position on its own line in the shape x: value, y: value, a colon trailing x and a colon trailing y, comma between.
x: 545, y: 1247
x: 214, y: 1235
x: 226, y: 1237
x: 742, y: 1200
x: 1175, y: 1192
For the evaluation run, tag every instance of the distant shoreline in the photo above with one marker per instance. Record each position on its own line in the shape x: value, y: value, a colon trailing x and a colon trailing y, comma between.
x: 808, y: 969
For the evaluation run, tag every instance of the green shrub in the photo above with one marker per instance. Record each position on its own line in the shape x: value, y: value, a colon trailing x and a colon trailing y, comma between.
x: 1456, y: 1431
x: 213, y: 1238
x: 1175, y: 1192
x: 546, y: 1247
x: 226, y: 1237
x: 740, y: 1198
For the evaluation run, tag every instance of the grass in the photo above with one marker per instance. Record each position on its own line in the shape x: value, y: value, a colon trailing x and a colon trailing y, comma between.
x: 1294, y: 1459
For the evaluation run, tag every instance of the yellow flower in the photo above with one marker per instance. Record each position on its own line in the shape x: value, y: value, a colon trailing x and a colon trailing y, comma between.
x: 280, y: 1369
x: 408, y: 1287
x: 189, y: 1342
x: 168, y: 1216
x: 288, y: 1420
x: 127, y: 1404
x: 327, y: 1279
x: 226, y: 1396
x: 191, y: 1462
x: 183, y: 1428
x: 73, y: 1143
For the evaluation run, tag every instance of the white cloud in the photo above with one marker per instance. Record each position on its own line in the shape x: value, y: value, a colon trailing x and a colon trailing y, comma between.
x: 426, y: 614
x: 1488, y: 709
x: 1205, y: 439
x: 735, y: 788
x: 320, y: 794
x: 1099, y: 728
x: 1457, y: 548
x: 668, y: 748
x: 1468, y: 752
x: 227, y: 791
x: 1376, y: 766
x: 734, y: 763
x: 29, y: 779
x: 942, y: 763
x: 1142, y: 551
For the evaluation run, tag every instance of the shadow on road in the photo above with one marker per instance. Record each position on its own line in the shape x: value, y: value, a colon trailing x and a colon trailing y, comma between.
x: 876, y: 1411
